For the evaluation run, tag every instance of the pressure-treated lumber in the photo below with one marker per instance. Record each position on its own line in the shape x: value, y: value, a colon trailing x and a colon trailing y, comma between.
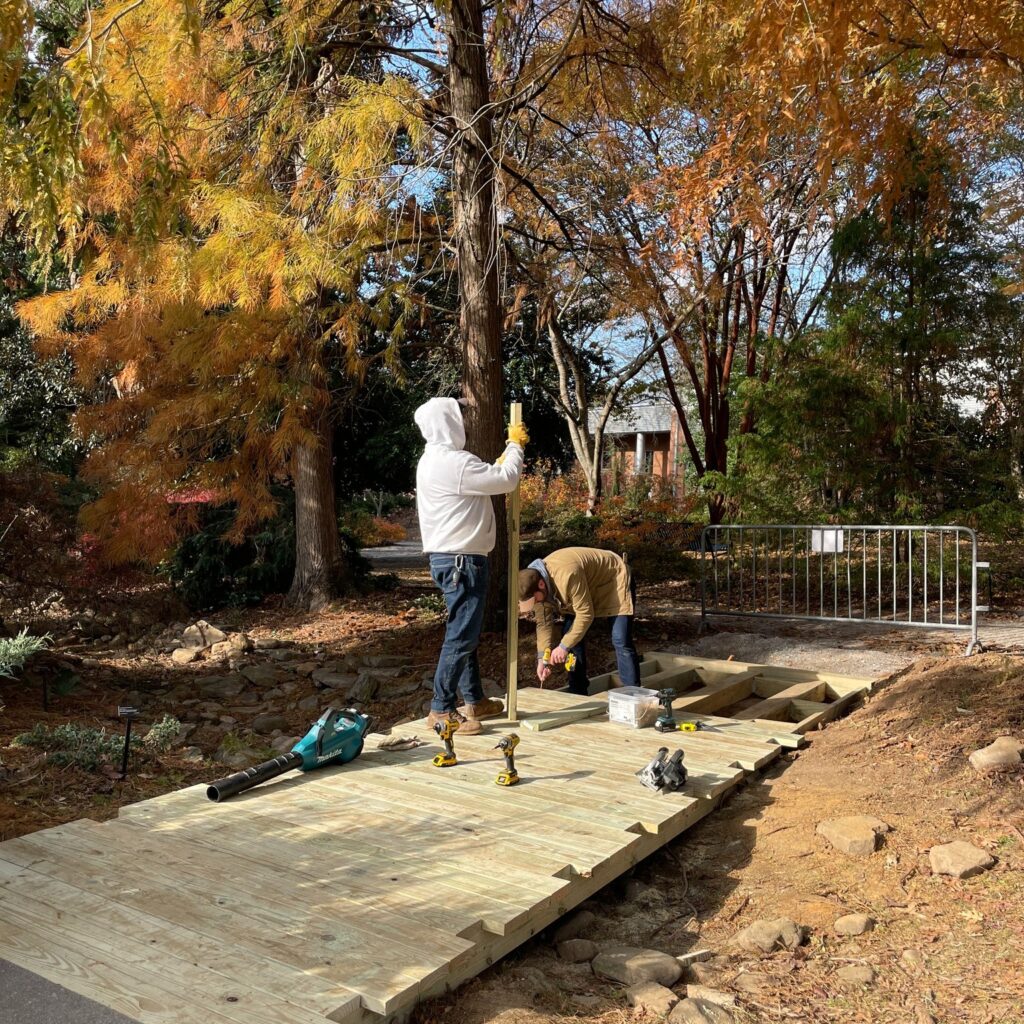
x: 351, y: 893
x: 512, y: 650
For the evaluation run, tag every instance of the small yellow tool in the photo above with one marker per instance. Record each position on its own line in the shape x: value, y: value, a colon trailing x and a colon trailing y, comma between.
x: 507, y: 745
x: 446, y: 730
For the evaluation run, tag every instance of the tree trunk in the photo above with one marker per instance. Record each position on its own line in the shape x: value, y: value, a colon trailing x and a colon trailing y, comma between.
x: 476, y: 242
x: 321, y: 572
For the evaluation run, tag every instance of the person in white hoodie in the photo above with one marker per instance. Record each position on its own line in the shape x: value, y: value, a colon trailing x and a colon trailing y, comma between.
x: 453, y: 498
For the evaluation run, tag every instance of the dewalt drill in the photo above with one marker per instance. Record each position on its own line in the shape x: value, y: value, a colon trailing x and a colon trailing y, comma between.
x: 446, y: 729
x: 507, y: 745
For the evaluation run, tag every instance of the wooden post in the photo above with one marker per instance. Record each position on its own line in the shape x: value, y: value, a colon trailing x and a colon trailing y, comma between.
x: 515, y: 417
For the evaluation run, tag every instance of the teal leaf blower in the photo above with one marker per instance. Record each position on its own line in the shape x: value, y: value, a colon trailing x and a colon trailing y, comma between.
x: 336, y: 737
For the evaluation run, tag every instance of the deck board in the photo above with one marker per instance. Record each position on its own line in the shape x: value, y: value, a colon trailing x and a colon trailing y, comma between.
x: 351, y: 893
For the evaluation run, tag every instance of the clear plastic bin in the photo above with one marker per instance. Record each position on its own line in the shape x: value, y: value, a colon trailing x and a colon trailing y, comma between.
x: 633, y: 705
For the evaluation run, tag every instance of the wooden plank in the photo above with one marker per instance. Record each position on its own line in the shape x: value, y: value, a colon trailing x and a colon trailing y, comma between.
x: 512, y: 605
x: 129, y: 935
x: 777, y: 706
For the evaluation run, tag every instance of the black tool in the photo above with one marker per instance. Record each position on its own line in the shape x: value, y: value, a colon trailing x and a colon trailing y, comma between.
x: 664, y: 774
x: 666, y: 720
x: 507, y: 745
x: 129, y: 714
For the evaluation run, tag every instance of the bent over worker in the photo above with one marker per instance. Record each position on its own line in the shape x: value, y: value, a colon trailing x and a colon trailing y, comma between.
x: 453, y: 500
x: 580, y: 584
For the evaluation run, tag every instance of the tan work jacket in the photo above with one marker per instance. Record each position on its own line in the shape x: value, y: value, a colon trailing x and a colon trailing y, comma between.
x: 587, y: 583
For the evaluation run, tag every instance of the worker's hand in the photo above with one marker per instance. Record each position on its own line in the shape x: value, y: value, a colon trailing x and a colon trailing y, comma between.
x: 517, y: 434
x: 543, y: 672
x: 558, y: 655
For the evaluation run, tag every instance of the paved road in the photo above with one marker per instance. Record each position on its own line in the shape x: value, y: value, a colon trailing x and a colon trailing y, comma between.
x: 30, y: 999
x: 406, y: 554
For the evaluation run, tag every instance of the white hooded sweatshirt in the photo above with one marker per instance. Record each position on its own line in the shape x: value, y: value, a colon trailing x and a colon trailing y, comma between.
x: 454, y: 487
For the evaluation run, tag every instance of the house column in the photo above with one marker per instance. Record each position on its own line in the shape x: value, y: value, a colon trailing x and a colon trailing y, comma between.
x: 638, y: 459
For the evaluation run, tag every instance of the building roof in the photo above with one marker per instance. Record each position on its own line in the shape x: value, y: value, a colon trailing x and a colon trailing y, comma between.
x: 642, y: 418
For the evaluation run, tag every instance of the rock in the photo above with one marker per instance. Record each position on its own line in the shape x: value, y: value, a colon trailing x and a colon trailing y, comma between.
x: 1003, y: 752
x: 304, y: 668
x: 710, y: 995
x: 856, y: 975
x: 854, y: 924
x: 702, y: 973
x: 364, y: 690
x: 222, y: 649
x: 750, y: 982
x: 650, y: 997
x: 265, y: 643
x: 221, y: 687
x: 633, y: 966
x: 192, y: 754
x: 695, y: 956
x: 857, y: 834
x: 573, y: 927
x: 386, y: 660
x: 765, y: 936
x: 264, y: 725
x: 490, y: 687
x: 311, y: 703
x: 329, y: 680
x: 184, y: 655
x: 533, y: 981
x: 959, y: 859
x: 913, y: 958
x: 201, y: 635
x: 238, y: 757
x: 695, y: 1011
x: 284, y: 743
x: 577, y: 951
x: 240, y: 642
x: 261, y: 675
x: 585, y: 1000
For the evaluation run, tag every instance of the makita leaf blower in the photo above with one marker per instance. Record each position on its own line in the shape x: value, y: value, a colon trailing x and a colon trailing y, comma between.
x: 334, y: 738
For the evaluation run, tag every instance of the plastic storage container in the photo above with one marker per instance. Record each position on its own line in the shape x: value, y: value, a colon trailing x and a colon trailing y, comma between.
x: 633, y: 705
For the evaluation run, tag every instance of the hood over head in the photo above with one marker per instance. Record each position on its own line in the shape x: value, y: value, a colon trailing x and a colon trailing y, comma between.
x: 440, y: 422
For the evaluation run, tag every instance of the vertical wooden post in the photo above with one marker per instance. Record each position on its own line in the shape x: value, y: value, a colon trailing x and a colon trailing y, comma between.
x: 515, y: 417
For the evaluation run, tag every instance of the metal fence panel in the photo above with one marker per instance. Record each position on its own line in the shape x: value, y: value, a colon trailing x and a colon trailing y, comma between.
x: 898, y: 575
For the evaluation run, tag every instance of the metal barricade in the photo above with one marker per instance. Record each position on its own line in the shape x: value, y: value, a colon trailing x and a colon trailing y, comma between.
x: 920, y: 576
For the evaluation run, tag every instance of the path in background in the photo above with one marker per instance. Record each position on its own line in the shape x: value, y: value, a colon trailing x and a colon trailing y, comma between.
x: 406, y: 554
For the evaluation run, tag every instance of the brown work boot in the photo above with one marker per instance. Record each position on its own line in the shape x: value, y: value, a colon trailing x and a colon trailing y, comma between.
x: 486, y: 708
x: 467, y: 726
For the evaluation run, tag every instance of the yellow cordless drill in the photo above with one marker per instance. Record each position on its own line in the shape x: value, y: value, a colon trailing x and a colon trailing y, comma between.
x: 446, y: 729
x: 570, y: 659
x: 507, y: 745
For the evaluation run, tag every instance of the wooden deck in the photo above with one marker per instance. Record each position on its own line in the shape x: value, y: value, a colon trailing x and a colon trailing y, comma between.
x: 351, y: 893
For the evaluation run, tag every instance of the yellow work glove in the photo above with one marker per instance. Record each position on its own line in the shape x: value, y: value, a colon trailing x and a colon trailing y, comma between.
x: 517, y: 434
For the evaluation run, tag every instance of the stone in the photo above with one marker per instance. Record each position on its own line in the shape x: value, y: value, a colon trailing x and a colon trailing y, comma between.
x: 264, y: 725
x: 913, y: 958
x: 219, y: 650
x: 261, y: 675
x: 184, y: 655
x: 283, y: 744
x: 766, y: 936
x: 238, y: 757
x: 695, y: 956
x: 240, y: 642
x: 386, y: 660
x: 585, y: 1000
x: 573, y: 927
x: 856, y: 975
x: 311, y: 703
x: 490, y: 686
x: 1003, y: 752
x: 329, y: 680
x: 201, y: 635
x: 192, y: 754
x: 854, y: 924
x: 959, y: 859
x: 304, y: 668
x: 632, y: 966
x: 702, y: 973
x: 695, y: 1011
x: 704, y: 994
x: 856, y: 834
x: 650, y: 997
x: 750, y: 982
x: 265, y: 643
x: 364, y: 690
x: 577, y: 951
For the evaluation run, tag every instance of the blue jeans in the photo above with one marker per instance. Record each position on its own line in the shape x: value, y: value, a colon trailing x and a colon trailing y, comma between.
x: 462, y: 580
x: 625, y: 652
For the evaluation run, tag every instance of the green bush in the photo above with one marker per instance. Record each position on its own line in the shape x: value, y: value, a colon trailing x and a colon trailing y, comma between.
x: 73, y: 744
x: 16, y: 650
x: 209, y: 571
